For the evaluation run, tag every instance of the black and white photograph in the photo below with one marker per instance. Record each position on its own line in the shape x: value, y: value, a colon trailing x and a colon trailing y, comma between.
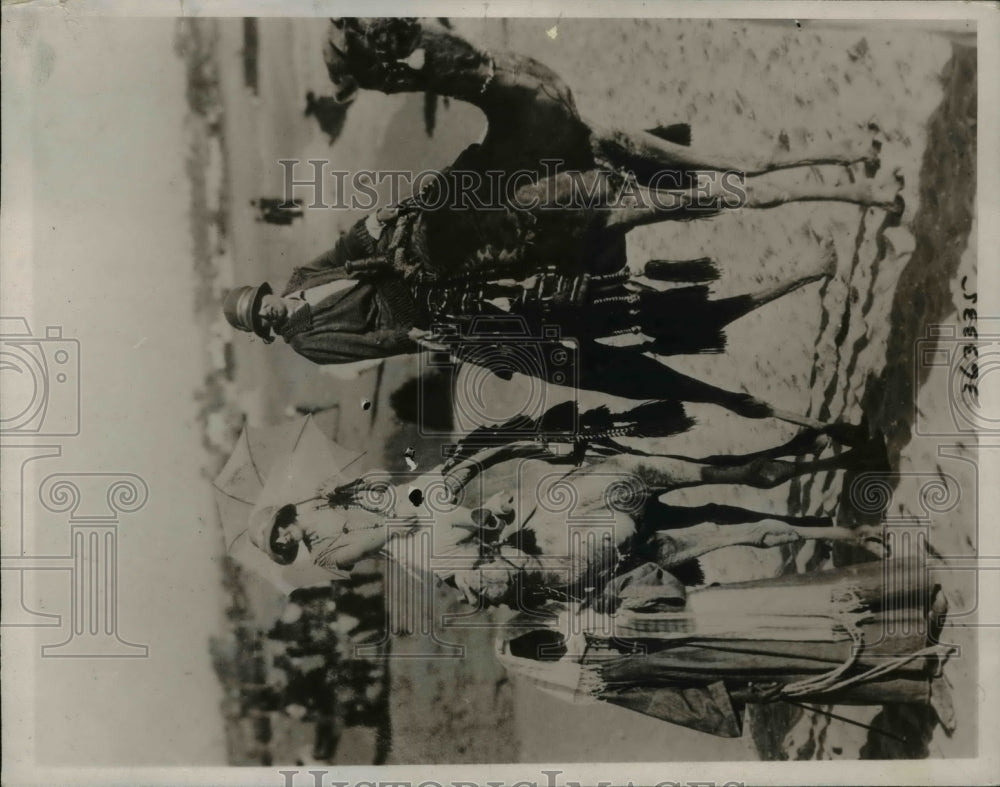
x: 523, y: 394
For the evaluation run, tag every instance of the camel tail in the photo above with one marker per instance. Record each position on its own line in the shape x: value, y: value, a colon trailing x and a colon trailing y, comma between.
x: 690, y: 573
x: 687, y: 271
x: 660, y: 418
x: 678, y: 133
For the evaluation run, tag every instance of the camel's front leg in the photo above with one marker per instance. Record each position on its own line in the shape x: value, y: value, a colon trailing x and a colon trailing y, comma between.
x: 638, y: 205
x: 836, y: 184
x: 810, y: 441
x: 645, y: 154
x: 665, y: 473
x: 674, y: 547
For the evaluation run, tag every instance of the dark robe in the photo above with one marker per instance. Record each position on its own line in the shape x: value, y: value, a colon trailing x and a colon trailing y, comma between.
x: 669, y: 670
x: 372, y: 319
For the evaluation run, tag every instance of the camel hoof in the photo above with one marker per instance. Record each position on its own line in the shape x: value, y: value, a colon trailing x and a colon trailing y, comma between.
x: 898, y: 203
x: 886, y: 193
x: 873, y: 159
x: 874, y: 456
x: 874, y: 539
x: 848, y: 434
x: 877, y: 545
x: 895, y: 213
x: 829, y: 257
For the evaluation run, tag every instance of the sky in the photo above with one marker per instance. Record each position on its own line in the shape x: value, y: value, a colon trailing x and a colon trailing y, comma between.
x: 97, y: 241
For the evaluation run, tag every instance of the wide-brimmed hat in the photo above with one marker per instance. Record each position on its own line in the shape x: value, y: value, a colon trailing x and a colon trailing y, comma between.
x: 242, y: 309
x: 262, y: 522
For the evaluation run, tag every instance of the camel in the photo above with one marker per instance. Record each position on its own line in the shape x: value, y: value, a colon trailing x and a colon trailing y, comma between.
x: 525, y: 101
x: 576, y: 528
x: 567, y: 189
x: 570, y: 531
x: 532, y: 118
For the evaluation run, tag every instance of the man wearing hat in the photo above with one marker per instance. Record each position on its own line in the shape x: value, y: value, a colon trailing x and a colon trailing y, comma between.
x: 331, y: 311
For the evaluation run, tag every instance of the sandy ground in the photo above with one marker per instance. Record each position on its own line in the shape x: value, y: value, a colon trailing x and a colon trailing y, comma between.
x: 835, y: 350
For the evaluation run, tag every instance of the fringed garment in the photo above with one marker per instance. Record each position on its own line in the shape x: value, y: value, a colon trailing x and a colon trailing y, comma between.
x: 863, y: 635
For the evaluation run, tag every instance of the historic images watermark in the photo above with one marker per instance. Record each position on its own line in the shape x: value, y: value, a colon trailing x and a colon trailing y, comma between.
x: 313, y: 777
x: 41, y: 381
x: 41, y: 400
x: 500, y: 347
x: 956, y: 414
x: 553, y: 187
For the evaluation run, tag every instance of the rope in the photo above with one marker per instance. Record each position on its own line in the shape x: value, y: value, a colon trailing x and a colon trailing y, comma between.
x: 827, y: 680
x: 849, y: 619
x: 833, y: 680
x: 883, y: 669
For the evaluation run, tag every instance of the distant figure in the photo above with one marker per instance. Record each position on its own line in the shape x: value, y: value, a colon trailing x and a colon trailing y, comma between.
x: 275, y: 210
x: 329, y: 112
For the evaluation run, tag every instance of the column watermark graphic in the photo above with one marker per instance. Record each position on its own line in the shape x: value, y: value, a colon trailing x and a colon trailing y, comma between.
x: 41, y: 399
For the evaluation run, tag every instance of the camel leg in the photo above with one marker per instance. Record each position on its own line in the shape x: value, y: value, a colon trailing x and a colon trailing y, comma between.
x: 664, y: 516
x: 646, y: 154
x: 643, y: 153
x: 666, y: 473
x: 593, y: 200
x: 641, y: 205
x: 810, y: 441
x: 714, y: 315
x: 842, y: 185
x: 726, y: 310
x: 769, y: 473
x: 674, y: 547
x: 621, y: 371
